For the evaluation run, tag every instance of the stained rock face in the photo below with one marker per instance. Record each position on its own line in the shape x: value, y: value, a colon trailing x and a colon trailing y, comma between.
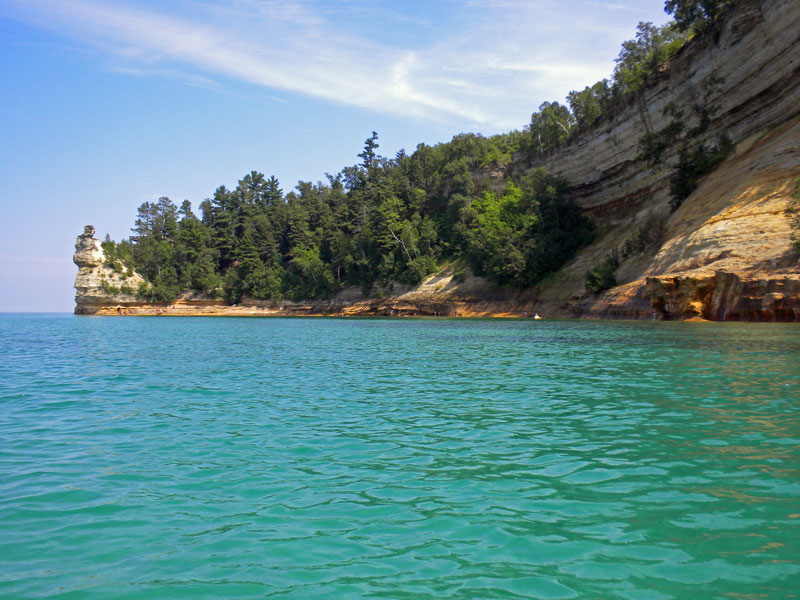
x: 748, y: 77
x: 725, y: 297
x: 98, y: 286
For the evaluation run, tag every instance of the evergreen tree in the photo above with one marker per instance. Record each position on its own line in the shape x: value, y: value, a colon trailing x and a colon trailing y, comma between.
x: 697, y: 15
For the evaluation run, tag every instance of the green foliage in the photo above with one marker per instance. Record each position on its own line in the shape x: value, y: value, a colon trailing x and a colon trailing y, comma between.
x: 645, y: 237
x: 550, y: 126
x: 638, y: 58
x: 501, y: 148
x: 694, y: 160
x: 118, y: 256
x: 165, y: 287
x: 653, y: 145
x: 521, y: 236
x: 587, y: 106
x: 648, y: 52
x: 652, y: 47
x: 697, y: 15
x: 600, y: 277
x: 109, y: 289
x: 385, y: 220
x: 371, y: 224
x: 368, y: 155
x: 693, y: 164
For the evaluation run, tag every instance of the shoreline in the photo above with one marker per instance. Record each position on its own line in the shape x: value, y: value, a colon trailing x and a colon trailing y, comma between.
x: 454, y: 312
x: 461, y: 309
x: 359, y: 309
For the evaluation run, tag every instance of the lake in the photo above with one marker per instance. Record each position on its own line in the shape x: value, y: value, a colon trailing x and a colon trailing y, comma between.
x: 170, y: 457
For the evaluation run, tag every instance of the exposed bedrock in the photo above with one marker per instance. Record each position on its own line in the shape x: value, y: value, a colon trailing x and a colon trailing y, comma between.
x: 725, y: 297
x: 98, y: 285
x: 748, y: 77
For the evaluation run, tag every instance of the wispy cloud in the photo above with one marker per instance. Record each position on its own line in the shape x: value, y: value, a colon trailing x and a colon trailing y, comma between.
x: 486, y: 72
x: 190, y: 79
x: 617, y: 6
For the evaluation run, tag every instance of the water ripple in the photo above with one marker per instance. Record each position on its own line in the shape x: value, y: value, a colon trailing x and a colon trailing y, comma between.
x: 378, y: 458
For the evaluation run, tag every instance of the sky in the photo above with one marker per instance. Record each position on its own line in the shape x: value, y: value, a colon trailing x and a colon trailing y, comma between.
x: 109, y: 104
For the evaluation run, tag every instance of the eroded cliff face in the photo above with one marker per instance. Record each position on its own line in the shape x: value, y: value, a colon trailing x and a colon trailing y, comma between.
x: 747, y: 77
x: 726, y: 253
x: 98, y: 287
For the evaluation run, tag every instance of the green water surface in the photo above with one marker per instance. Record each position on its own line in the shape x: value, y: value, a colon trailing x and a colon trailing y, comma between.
x: 409, y: 458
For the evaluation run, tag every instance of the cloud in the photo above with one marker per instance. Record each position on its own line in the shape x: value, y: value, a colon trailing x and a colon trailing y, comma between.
x: 613, y: 6
x: 619, y: 6
x: 481, y: 66
x: 191, y: 79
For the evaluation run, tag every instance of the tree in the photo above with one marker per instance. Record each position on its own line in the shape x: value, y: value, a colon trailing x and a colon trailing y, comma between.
x: 153, y: 251
x: 264, y: 283
x: 639, y: 57
x: 315, y: 280
x: 588, y: 105
x: 273, y: 195
x: 550, y: 126
x: 600, y: 277
x: 193, y: 242
x: 697, y: 15
x: 224, y: 221
x: 186, y: 210
x: 252, y: 189
x: 521, y: 236
x: 157, y: 219
x: 202, y: 273
x: 377, y: 221
x: 368, y: 155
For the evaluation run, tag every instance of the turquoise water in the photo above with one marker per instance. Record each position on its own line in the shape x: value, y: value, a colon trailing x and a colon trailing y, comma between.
x: 379, y: 458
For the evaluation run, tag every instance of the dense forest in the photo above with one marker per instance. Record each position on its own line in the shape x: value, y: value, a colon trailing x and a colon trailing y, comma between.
x: 386, y: 220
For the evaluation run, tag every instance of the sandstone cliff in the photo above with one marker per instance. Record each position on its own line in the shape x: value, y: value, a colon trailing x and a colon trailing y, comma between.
x: 724, y: 254
x: 98, y: 286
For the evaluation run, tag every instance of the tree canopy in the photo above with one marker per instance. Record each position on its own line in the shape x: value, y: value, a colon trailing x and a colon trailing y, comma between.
x: 554, y: 123
x: 696, y: 15
x: 377, y: 222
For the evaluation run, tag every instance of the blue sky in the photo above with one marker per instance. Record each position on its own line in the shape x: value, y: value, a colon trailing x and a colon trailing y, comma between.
x: 108, y: 104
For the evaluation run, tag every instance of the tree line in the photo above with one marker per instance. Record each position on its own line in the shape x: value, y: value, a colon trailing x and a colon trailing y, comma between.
x: 555, y: 123
x: 374, y: 223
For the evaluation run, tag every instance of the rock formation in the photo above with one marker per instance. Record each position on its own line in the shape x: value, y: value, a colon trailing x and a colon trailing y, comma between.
x: 99, y: 287
x: 747, y: 78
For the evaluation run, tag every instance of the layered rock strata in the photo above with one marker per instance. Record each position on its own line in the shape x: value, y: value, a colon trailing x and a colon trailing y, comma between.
x: 747, y: 78
x: 733, y: 228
